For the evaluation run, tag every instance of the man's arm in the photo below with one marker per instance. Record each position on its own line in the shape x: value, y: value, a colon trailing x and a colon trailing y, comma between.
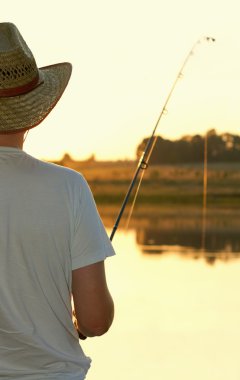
x: 93, y: 303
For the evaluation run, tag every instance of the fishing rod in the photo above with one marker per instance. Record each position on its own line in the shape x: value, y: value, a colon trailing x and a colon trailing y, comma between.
x: 144, y: 159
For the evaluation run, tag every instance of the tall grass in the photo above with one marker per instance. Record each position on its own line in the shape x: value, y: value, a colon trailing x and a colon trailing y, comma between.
x: 164, y: 184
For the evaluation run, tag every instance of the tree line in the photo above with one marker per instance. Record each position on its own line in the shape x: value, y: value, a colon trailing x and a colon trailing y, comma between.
x: 190, y: 149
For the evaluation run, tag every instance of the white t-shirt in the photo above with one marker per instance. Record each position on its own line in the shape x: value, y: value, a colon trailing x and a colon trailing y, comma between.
x: 49, y: 225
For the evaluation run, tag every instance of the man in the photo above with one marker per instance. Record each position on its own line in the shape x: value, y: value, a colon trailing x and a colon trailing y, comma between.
x: 52, y: 241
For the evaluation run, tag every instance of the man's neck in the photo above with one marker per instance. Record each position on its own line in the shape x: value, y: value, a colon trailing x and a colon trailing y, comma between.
x: 14, y: 140
x: 10, y: 146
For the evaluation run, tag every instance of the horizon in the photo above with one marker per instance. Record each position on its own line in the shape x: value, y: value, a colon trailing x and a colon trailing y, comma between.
x: 126, y: 57
x: 93, y: 158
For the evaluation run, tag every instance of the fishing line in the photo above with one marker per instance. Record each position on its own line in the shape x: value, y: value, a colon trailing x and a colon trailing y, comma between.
x: 144, y: 159
x: 25, y: 136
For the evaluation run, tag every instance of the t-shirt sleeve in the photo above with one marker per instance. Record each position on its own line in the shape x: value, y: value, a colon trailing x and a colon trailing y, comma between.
x: 91, y: 243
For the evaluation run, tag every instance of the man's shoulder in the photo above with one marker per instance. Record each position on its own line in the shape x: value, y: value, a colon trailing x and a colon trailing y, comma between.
x: 52, y: 167
x: 54, y: 170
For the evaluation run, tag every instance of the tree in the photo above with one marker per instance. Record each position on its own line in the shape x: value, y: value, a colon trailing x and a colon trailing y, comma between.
x: 221, y: 148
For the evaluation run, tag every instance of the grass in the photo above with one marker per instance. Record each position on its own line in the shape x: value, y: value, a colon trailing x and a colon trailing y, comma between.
x: 168, y: 185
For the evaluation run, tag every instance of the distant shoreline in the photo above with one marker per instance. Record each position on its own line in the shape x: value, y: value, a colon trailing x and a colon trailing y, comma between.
x: 162, y: 185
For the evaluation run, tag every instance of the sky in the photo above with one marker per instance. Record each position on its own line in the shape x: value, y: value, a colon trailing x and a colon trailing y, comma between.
x: 126, y: 56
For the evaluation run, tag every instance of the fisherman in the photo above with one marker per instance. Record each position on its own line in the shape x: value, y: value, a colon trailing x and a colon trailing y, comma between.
x: 52, y: 240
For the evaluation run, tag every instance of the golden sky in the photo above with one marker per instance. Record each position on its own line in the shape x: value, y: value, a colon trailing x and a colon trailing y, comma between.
x: 126, y: 55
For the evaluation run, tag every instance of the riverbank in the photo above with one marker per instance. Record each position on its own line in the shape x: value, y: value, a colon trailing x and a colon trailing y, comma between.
x: 162, y: 185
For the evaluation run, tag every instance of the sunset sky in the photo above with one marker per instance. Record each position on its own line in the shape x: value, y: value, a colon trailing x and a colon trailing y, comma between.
x: 126, y: 55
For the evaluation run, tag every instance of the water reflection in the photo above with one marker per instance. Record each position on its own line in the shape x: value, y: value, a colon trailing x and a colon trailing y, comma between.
x: 220, y: 234
x: 175, y: 318
x: 216, y: 236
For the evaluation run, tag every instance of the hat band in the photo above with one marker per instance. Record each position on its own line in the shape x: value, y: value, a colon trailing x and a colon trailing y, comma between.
x: 20, y: 90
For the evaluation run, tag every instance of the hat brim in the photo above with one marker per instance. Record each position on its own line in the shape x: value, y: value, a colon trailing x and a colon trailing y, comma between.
x: 23, y: 112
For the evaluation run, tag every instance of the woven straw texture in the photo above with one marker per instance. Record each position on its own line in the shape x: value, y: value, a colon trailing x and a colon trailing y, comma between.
x: 18, y: 69
x: 27, y: 111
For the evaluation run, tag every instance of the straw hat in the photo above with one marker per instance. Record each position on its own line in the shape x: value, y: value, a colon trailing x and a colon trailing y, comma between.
x: 27, y: 94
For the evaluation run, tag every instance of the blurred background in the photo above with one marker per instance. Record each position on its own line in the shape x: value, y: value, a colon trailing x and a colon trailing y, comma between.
x: 175, y: 278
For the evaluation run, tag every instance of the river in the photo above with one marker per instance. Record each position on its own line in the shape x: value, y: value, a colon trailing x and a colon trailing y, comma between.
x: 175, y: 281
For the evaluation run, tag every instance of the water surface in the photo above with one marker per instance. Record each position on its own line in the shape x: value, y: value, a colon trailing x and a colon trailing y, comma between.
x: 177, y: 302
